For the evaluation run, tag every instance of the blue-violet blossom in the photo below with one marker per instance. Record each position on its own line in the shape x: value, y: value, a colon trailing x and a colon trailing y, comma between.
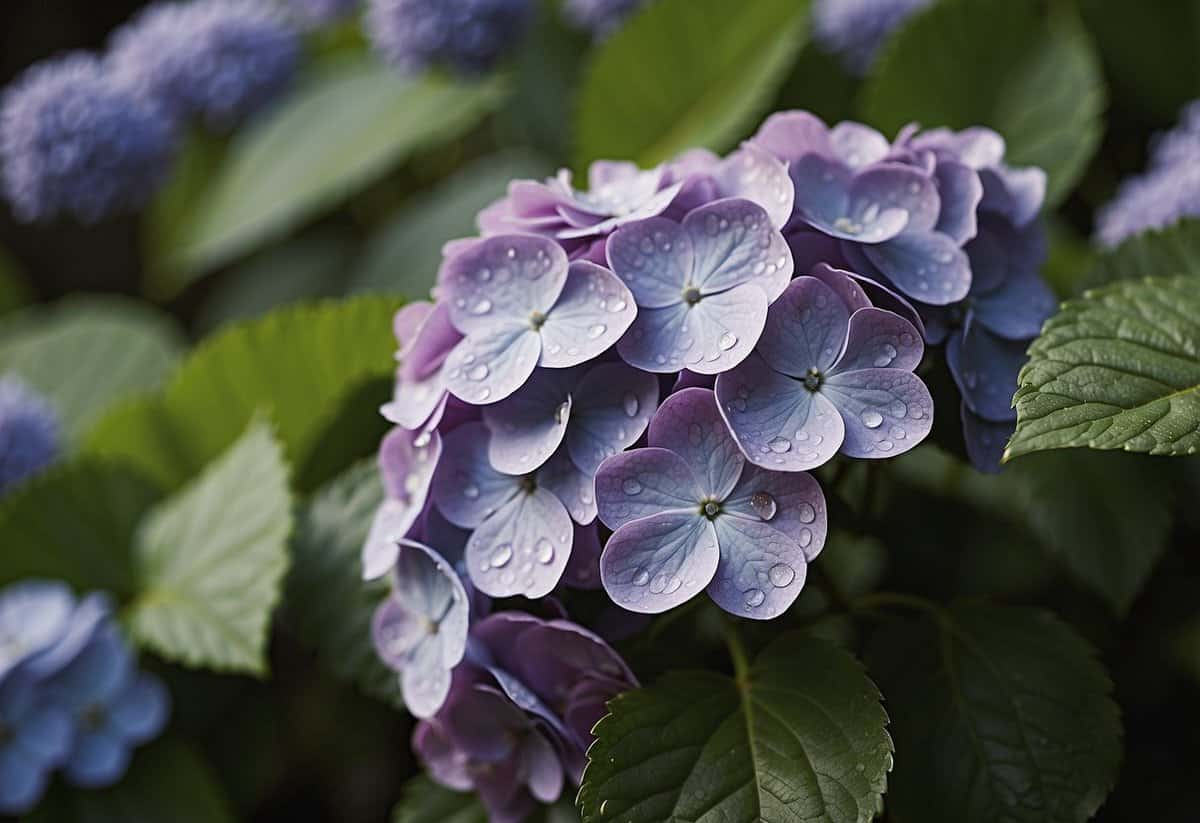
x: 30, y: 432
x: 469, y: 36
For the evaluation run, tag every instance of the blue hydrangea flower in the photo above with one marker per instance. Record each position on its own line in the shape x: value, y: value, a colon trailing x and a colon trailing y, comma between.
x: 216, y: 60
x: 855, y: 29
x: 420, y: 630
x: 600, y: 17
x: 30, y: 432
x: 831, y: 373
x: 1167, y: 192
x: 688, y: 512
x: 467, y: 35
x: 74, y: 143
x: 702, y: 287
x: 407, y: 460
x: 522, y: 305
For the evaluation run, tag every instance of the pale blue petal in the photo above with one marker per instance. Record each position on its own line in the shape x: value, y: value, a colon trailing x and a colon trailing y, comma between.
x: 656, y: 563
x: 140, y: 712
x: 613, y: 406
x: 880, y: 339
x: 805, y: 329
x: 528, y: 425
x: 689, y: 424
x: 492, y: 364
x: 753, y: 173
x: 501, y: 280
x: 465, y: 487
x: 886, y: 411
x: 791, y: 502
x: 643, y: 482
x: 522, y: 548
x: 592, y: 313
x: 734, y: 242
x: 654, y: 258
x: 927, y: 266
x: 761, y: 572
x: 575, y: 489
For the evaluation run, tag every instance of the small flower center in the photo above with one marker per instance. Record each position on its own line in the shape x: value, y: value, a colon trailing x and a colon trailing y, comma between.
x: 710, y: 509
x: 93, y: 717
x: 537, y: 320
x: 813, y: 380
x: 529, y: 484
x: 691, y: 295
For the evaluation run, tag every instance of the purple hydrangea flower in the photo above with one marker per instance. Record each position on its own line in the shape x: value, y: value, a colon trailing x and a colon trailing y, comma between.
x: 420, y: 630
x: 688, y: 512
x: 75, y: 143
x: 467, y: 35
x: 856, y: 29
x: 751, y: 173
x: 831, y: 373
x: 217, y: 60
x: 30, y: 432
x: 521, y: 305
x: 702, y: 286
x: 426, y: 337
x: 619, y: 193
x: 1168, y: 191
x: 600, y: 17
x: 407, y: 460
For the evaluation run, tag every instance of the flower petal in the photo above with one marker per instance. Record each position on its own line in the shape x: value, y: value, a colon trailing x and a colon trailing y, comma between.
x: 593, y: 311
x: 643, y: 482
x: 423, y: 685
x: 528, y: 426
x: 141, y: 711
x: 985, y: 439
x: 22, y: 781
x: 489, y: 366
x: 654, y: 258
x: 845, y: 284
x: 654, y: 564
x: 960, y: 191
x: 522, y: 548
x: 753, y: 173
x: 761, y: 572
x: 424, y: 353
x: 806, y: 329
x: 689, y: 424
x: 777, y: 422
x: 985, y: 367
x: 880, y: 339
x: 502, y: 279
x: 791, y: 502
x: 870, y: 207
x: 789, y: 135
x: 927, y: 266
x: 583, y: 567
x: 613, y: 406
x: 886, y: 411
x: 1016, y: 194
x: 710, y: 337
x: 465, y: 486
x: 407, y: 460
x: 735, y: 242
x: 575, y: 489
x: 424, y: 582
x: 542, y: 769
x: 46, y: 731
x: 99, y: 759
x: 857, y: 145
x: 392, y: 522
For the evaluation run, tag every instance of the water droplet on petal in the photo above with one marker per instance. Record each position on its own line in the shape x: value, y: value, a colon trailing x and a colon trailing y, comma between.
x: 781, y: 575
x: 805, y: 539
x: 659, y: 584
x: 562, y: 413
x: 898, y: 433
x: 764, y: 505
x: 806, y: 513
x: 754, y: 597
x: 630, y: 403
x: 871, y: 418
x: 886, y: 356
x: 728, y: 341
x: 478, y: 372
x: 631, y: 487
x: 780, y: 445
x: 471, y: 492
x: 641, y: 577
x: 501, y: 555
x: 596, y: 330
x: 482, y: 307
x: 544, y: 552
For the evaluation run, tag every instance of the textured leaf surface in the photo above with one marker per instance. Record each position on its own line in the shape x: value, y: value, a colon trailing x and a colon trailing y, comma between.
x: 1118, y: 368
x: 211, y: 560
x: 799, y: 737
x: 87, y: 353
x: 355, y: 120
x: 75, y: 523
x: 424, y: 801
x: 1173, y: 251
x: 299, y: 364
x: 975, y: 62
x: 685, y: 73
x: 1000, y: 714
x: 328, y: 604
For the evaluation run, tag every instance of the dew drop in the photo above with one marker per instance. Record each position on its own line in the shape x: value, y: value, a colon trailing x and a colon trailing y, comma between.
x: 886, y: 445
x: 727, y: 341
x: 631, y: 487
x: 422, y: 440
x: 641, y: 577
x: 779, y: 445
x: 871, y: 418
x: 482, y: 307
x: 886, y: 356
x: 630, y: 403
x: 754, y: 597
x: 501, y: 555
x: 898, y: 433
x: 659, y: 584
x: 805, y: 539
x: 478, y: 372
x: 471, y: 492
x: 617, y: 305
x: 764, y: 505
x: 562, y: 413
x: 544, y: 552
x: 806, y: 513
x: 781, y: 575
x: 596, y: 330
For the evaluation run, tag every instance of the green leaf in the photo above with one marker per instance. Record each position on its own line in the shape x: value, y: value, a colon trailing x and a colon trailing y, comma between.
x: 1169, y: 252
x: 404, y: 254
x: 75, y: 523
x: 14, y: 291
x: 1004, y: 65
x: 1118, y: 368
x: 685, y: 73
x: 327, y: 603
x: 166, y: 781
x: 352, y: 122
x: 300, y: 364
x: 424, y: 801
x: 87, y: 353
x: 1000, y: 714
x: 211, y: 560
x: 799, y: 736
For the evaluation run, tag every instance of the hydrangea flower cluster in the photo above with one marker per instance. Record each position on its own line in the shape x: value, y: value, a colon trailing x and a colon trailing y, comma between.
x: 856, y: 29
x: 600, y: 17
x: 76, y: 143
x: 1168, y: 191
x: 30, y: 432
x: 71, y: 695
x: 469, y: 36
x: 214, y: 60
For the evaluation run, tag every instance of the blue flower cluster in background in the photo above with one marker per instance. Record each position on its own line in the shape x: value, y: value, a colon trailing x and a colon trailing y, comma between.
x: 1169, y: 189
x: 600, y: 17
x: 71, y: 695
x: 856, y: 29
x: 468, y: 36
x: 30, y: 432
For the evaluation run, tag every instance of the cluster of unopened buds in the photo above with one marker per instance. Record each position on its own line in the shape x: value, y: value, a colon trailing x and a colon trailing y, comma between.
x: 627, y: 387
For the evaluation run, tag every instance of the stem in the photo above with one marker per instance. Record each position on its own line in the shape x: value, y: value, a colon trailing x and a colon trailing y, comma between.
x: 737, y: 651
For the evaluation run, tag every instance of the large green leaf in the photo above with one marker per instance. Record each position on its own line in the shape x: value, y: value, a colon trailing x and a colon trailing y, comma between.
x: 211, y: 560
x: 350, y: 123
x: 685, y: 73
x: 404, y: 255
x: 166, y: 781
x: 1000, y: 714
x: 75, y: 523
x: 798, y: 736
x: 977, y: 62
x: 88, y: 352
x: 424, y: 801
x: 300, y: 364
x: 327, y: 604
x: 1173, y: 251
x: 1118, y: 368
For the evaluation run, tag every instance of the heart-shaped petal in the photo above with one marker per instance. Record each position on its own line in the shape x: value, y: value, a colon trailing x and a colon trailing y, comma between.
x: 643, y: 482
x: 654, y: 258
x: 880, y: 339
x: 522, y: 548
x: 689, y: 424
x: 790, y: 502
x: 490, y: 365
x: 656, y: 563
x: 886, y: 411
x: 761, y: 572
x: 806, y: 329
x: 503, y: 279
x: 754, y: 174
x: 870, y: 207
x: 734, y: 241
x: 593, y: 311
